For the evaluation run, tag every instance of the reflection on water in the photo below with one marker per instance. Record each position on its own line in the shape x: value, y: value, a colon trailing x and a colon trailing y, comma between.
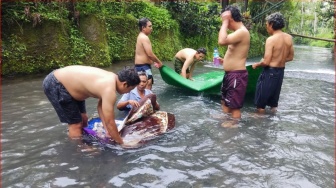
x: 294, y: 148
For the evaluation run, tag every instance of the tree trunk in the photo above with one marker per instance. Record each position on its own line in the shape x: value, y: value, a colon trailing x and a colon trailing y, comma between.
x: 301, y: 24
x: 245, y: 5
x: 225, y: 3
x: 315, y: 23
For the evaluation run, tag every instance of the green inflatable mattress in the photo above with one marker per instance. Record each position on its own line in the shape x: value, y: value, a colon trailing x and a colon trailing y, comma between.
x: 206, y: 82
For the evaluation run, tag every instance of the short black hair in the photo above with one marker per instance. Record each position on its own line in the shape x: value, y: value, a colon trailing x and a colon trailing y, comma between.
x: 276, y: 20
x: 143, y: 23
x: 235, y: 12
x: 201, y: 50
x: 129, y: 75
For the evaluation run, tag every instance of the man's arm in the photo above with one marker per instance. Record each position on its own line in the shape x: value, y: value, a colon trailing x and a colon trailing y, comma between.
x: 224, y: 38
x: 147, y: 45
x: 123, y: 102
x: 186, y: 65
x: 107, y: 113
x: 291, y: 54
x: 267, y: 55
x: 192, y: 70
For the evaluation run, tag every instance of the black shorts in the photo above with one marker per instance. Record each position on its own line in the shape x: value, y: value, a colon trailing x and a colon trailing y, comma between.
x: 67, y: 108
x: 268, y: 87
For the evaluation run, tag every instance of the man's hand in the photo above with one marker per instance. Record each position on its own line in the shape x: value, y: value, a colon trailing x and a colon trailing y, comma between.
x: 131, y: 142
x: 158, y: 65
x: 226, y: 16
x: 84, y: 119
x: 221, y: 60
x: 133, y: 103
x: 255, y: 65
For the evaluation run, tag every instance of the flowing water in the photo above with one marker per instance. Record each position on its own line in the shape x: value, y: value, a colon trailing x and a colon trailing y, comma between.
x: 293, y: 148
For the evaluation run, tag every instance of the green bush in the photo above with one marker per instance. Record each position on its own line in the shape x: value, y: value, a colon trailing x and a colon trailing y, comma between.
x: 101, y: 32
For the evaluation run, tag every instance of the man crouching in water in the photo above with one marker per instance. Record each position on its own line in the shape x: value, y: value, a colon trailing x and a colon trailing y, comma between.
x: 68, y: 87
x: 235, y: 80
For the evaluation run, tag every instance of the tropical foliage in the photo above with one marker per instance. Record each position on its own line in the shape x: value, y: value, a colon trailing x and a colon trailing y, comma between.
x: 38, y: 36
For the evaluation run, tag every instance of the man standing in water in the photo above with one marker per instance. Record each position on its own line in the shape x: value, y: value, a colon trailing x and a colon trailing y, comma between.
x: 186, y: 59
x: 278, y: 51
x: 144, y: 56
x: 235, y: 80
x: 68, y: 87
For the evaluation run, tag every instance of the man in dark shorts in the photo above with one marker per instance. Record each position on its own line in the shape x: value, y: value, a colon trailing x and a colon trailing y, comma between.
x: 234, y: 88
x: 269, y: 87
x: 278, y: 51
x: 234, y: 62
x: 68, y: 87
x: 144, y: 56
x: 147, y: 68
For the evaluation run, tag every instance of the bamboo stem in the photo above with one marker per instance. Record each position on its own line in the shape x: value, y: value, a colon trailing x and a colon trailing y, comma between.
x: 316, y: 38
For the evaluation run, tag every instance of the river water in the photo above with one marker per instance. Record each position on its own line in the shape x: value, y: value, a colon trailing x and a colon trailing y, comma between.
x: 293, y: 148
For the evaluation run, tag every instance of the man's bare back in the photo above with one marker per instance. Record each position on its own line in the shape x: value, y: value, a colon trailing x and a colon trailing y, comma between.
x: 279, y: 48
x: 186, y: 59
x: 186, y: 53
x: 82, y: 85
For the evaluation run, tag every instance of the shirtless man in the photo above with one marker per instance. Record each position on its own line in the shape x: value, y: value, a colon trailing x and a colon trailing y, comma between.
x: 186, y: 59
x: 278, y: 51
x: 144, y: 56
x: 235, y: 80
x: 68, y: 87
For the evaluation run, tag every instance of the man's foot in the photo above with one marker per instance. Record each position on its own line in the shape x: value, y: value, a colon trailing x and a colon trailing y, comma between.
x: 230, y: 124
x: 274, y: 110
x: 89, y: 150
x: 220, y: 116
x: 257, y: 115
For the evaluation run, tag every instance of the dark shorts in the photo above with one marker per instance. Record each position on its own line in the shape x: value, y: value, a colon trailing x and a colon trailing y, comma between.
x: 268, y: 87
x: 234, y: 88
x: 147, y: 69
x: 178, y: 65
x: 67, y: 108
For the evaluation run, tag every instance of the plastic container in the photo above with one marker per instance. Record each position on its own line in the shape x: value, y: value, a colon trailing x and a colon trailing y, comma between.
x: 216, y: 61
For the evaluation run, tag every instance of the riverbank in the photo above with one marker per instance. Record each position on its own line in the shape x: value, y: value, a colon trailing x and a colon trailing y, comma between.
x: 49, y: 36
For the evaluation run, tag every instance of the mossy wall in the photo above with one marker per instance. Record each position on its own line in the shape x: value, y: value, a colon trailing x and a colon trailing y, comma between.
x: 96, y: 39
x: 93, y: 29
x: 28, y: 49
x: 122, y: 33
x: 96, y: 42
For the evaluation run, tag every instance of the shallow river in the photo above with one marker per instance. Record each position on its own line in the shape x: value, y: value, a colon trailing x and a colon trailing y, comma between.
x: 293, y: 148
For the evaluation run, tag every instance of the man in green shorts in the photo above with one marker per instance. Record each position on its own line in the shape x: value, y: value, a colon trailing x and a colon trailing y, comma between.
x: 186, y: 59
